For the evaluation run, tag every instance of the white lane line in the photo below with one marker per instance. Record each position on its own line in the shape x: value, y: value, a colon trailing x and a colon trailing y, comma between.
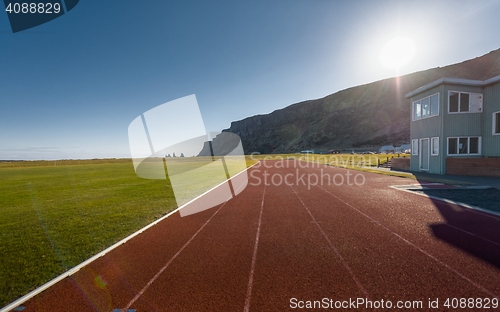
x: 141, y: 292
x: 72, y: 271
x: 254, y: 257
x: 479, y: 286
x: 151, y: 281
x: 335, y: 250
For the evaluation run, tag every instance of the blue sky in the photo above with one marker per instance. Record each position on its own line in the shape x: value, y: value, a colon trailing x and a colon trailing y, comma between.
x: 70, y: 88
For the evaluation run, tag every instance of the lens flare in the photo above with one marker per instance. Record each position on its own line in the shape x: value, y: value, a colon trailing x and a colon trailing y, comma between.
x: 397, y: 52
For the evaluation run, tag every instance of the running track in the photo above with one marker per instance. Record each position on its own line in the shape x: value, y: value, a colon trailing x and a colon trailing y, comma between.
x: 275, y: 242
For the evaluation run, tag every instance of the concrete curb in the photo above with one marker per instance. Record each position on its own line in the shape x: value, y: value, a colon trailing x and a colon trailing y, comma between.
x: 448, y: 201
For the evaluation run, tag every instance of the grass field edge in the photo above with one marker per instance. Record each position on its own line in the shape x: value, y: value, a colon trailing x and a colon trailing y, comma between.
x: 77, y: 268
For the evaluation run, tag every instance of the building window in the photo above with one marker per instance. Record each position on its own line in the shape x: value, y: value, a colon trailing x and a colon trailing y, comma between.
x: 464, y: 102
x: 496, y: 123
x: 414, y: 147
x: 464, y: 146
x: 435, y: 146
x: 434, y: 105
x: 426, y: 107
x: 474, y: 145
x: 417, y: 110
x: 452, y: 146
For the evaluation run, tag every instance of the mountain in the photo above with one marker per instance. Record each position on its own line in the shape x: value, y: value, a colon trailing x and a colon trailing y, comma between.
x: 366, y: 116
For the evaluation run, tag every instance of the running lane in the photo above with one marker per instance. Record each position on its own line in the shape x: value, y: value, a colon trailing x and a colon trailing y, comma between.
x: 298, y: 233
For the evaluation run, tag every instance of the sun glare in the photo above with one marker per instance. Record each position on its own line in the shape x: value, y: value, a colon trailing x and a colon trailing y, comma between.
x: 397, y: 52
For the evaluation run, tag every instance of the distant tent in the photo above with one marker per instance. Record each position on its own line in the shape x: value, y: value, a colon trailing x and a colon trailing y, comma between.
x: 387, y: 149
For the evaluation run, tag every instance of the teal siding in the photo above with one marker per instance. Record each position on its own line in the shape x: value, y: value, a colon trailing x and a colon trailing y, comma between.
x: 428, y: 128
x: 491, y: 143
x: 425, y: 128
x: 462, y: 124
x: 414, y: 163
x: 436, y: 165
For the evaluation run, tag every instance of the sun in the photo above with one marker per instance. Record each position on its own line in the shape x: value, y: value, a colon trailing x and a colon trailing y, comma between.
x: 398, y: 52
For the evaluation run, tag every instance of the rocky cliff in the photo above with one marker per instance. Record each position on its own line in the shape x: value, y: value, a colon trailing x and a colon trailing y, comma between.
x: 366, y: 116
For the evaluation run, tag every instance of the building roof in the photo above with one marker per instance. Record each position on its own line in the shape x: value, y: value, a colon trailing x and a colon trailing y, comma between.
x: 459, y: 81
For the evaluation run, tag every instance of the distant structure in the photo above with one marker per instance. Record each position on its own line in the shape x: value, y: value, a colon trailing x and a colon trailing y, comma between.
x: 387, y: 149
x: 405, y: 148
x: 182, y: 155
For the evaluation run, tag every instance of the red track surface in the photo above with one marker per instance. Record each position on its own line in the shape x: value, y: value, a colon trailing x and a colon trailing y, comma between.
x: 274, y: 242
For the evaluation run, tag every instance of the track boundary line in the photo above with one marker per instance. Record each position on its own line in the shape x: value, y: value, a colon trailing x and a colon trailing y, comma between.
x: 254, y: 256
x: 335, y: 250
x: 474, y: 209
x: 477, y: 285
x: 77, y: 268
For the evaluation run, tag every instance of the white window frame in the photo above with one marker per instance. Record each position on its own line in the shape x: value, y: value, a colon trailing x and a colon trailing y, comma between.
x: 468, y: 146
x: 469, y: 109
x: 414, y: 147
x: 413, y: 104
x: 494, y: 123
x: 434, y: 139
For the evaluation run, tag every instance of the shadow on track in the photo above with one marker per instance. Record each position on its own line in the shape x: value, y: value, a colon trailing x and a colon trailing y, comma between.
x: 474, y: 232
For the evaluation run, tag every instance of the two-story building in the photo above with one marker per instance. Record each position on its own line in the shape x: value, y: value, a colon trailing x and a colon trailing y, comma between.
x: 455, y: 127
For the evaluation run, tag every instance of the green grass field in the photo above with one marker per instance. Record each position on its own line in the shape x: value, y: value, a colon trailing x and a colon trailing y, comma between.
x: 56, y: 214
